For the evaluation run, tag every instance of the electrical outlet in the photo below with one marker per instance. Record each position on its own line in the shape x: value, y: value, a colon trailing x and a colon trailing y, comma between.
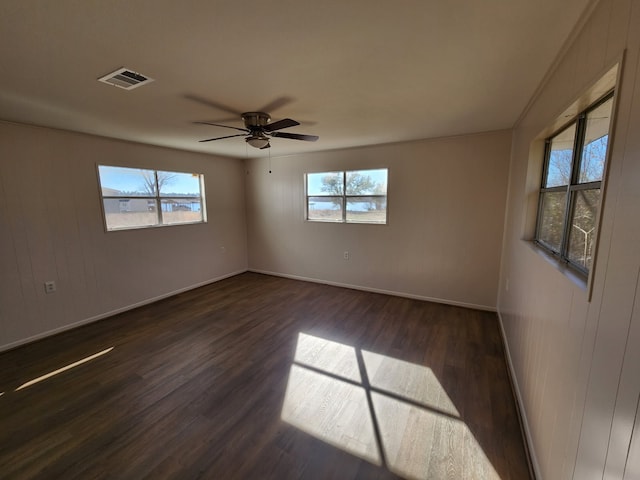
x: 50, y: 286
x: 346, y: 255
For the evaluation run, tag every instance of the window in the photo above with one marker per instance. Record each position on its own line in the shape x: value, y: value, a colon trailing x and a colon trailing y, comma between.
x: 571, y: 185
x: 357, y: 196
x: 138, y: 198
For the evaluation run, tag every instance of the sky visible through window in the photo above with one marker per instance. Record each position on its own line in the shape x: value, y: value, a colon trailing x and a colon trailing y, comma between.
x: 592, y: 167
x: 570, y: 192
x: 129, y: 180
x: 314, y: 180
x: 347, y: 196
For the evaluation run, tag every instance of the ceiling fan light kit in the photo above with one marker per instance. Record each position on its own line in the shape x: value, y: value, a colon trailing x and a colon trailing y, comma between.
x: 258, y: 142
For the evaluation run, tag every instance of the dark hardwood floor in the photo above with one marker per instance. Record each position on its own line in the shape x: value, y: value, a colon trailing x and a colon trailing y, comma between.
x: 210, y: 383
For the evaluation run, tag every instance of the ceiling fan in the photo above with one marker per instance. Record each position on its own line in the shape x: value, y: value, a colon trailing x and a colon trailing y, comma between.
x: 258, y: 126
x: 258, y: 130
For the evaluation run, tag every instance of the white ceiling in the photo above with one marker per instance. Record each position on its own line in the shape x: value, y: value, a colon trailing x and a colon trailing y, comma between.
x: 354, y: 72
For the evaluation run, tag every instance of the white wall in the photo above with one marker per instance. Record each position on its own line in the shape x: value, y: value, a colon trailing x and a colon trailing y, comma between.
x: 446, y: 202
x: 576, y: 361
x: 51, y: 228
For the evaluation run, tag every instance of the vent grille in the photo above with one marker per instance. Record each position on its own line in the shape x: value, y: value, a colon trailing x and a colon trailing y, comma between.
x: 125, y: 78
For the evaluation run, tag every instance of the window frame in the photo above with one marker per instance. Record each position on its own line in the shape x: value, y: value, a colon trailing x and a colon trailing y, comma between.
x: 157, y: 199
x: 345, y: 197
x: 574, y: 185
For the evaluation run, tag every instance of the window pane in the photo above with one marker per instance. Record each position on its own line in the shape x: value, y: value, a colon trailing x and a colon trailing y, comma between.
x: 129, y: 213
x: 130, y: 182
x: 181, y: 210
x: 551, y: 219
x: 583, y: 225
x: 560, y: 154
x: 325, y: 183
x: 594, y: 151
x: 174, y: 184
x: 367, y: 210
x: 367, y: 182
x: 328, y: 209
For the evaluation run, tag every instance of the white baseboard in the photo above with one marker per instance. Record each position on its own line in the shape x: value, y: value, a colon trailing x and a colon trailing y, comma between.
x: 377, y: 290
x: 522, y: 413
x: 101, y: 316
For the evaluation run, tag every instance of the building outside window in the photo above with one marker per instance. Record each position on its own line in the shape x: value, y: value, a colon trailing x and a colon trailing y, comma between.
x: 138, y: 198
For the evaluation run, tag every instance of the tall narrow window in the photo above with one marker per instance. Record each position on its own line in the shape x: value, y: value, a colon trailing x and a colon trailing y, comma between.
x: 571, y: 184
x: 138, y: 198
x: 355, y: 196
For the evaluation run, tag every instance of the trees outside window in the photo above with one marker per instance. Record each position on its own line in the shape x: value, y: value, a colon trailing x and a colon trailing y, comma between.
x: 571, y: 186
x: 138, y: 198
x: 356, y: 196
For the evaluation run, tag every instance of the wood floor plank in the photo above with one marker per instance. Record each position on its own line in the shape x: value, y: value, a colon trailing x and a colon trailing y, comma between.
x: 199, y: 385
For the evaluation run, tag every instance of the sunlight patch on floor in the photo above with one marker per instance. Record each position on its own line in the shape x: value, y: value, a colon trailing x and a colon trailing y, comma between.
x: 331, y: 410
x: 63, y: 369
x: 328, y: 356
x: 407, y: 380
x: 423, y: 444
x: 387, y: 411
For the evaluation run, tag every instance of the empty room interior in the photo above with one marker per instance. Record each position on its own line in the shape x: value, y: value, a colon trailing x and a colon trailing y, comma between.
x: 350, y: 240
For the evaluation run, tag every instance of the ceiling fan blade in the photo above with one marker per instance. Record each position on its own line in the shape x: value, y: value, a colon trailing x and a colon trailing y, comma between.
x: 277, y: 103
x: 226, y: 120
x: 220, y: 138
x: 296, y: 136
x: 211, y: 103
x: 219, y: 125
x: 284, y: 123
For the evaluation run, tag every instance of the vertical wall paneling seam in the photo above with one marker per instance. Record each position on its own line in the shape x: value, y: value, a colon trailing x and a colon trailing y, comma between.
x: 74, y: 280
x: 591, y: 356
x: 628, y: 42
x: 16, y: 219
x: 576, y: 400
x: 88, y: 259
x: 629, y: 24
x: 614, y: 209
x: 607, y: 42
x: 53, y: 222
x: 36, y: 244
x: 4, y: 198
x: 534, y: 469
x: 635, y: 422
x: 574, y: 397
x: 31, y: 250
x: 624, y: 356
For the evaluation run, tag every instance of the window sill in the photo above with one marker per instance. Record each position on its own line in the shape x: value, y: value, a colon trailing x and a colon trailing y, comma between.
x: 345, y: 223
x: 149, y: 227
x: 579, y: 279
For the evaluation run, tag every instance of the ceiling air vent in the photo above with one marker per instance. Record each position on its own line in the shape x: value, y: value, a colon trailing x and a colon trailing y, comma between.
x: 125, y: 78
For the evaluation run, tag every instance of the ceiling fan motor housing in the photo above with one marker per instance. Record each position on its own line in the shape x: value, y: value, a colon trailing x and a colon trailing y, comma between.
x: 255, y: 119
